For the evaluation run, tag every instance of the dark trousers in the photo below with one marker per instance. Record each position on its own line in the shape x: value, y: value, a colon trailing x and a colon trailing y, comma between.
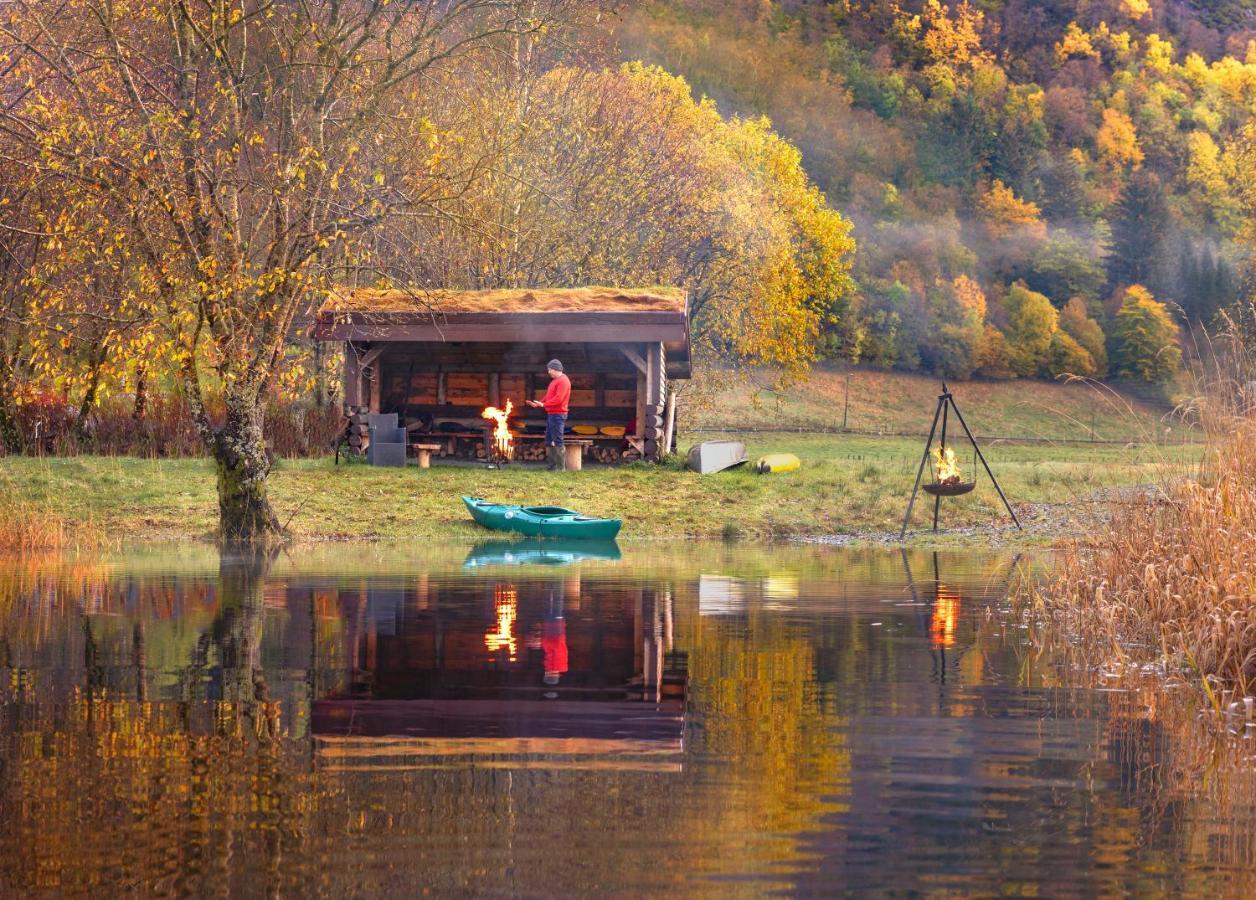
x: 554, y: 424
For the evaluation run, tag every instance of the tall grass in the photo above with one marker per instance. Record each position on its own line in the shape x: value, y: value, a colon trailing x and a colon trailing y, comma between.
x: 1172, y: 577
x: 27, y: 527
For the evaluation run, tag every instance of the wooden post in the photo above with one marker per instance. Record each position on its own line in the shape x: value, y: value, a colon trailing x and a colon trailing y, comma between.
x: 655, y: 388
x: 642, y: 390
x: 352, y: 377
x: 669, y: 428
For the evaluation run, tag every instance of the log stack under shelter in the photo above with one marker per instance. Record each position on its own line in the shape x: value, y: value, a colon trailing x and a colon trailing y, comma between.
x: 438, y: 358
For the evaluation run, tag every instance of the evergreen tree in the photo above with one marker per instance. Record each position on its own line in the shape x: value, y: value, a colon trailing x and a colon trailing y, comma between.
x: 1060, y: 189
x: 1139, y: 222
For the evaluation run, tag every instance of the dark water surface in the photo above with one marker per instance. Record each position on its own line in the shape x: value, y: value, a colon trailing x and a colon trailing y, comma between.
x: 374, y: 721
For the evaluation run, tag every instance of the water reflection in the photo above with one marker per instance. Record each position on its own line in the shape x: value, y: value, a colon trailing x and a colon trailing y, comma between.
x: 518, y: 719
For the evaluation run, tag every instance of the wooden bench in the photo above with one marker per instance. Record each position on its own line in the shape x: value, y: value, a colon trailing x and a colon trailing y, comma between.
x: 424, y: 453
x: 574, y: 449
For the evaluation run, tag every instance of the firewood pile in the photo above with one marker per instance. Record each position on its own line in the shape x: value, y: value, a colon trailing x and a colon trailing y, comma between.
x: 605, y: 455
x: 530, y: 452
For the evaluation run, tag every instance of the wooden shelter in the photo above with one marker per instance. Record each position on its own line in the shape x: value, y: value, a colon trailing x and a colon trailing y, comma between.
x: 438, y: 358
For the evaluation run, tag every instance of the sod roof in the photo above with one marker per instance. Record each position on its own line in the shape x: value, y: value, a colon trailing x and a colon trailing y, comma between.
x: 366, y: 301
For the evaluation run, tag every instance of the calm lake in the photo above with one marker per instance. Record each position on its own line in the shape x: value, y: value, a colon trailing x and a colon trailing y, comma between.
x: 567, y: 718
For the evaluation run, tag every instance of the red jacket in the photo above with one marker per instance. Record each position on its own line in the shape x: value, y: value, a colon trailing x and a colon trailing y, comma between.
x: 557, y: 395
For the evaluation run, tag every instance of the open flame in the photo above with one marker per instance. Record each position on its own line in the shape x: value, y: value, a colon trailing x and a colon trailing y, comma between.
x: 503, y: 443
x: 506, y: 606
x: 945, y: 465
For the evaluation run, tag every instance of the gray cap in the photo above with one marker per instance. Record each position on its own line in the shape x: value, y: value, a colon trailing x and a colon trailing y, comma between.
x: 554, y: 364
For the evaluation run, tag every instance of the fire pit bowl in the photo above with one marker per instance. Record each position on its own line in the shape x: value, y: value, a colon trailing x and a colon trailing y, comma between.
x: 954, y: 489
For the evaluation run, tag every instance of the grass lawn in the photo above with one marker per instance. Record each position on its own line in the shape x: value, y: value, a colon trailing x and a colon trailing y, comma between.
x: 901, y: 403
x: 848, y: 485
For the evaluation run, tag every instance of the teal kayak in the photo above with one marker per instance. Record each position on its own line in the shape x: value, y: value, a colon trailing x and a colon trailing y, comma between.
x: 533, y: 552
x: 541, y: 521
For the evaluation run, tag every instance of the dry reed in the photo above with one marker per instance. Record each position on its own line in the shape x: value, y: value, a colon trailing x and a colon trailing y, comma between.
x: 28, y: 528
x: 1171, y: 577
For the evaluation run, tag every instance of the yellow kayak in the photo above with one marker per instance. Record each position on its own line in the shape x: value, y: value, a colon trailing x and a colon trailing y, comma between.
x: 777, y: 462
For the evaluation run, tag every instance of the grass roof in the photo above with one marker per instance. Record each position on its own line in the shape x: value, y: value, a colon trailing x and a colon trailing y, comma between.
x: 506, y: 300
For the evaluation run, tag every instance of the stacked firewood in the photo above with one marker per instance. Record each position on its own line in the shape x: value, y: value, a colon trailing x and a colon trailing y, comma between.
x: 606, y: 455
x: 530, y: 452
x: 356, y: 428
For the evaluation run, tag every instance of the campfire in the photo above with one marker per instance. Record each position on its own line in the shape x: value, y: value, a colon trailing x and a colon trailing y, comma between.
x: 947, y: 479
x: 945, y: 466
x: 503, y: 442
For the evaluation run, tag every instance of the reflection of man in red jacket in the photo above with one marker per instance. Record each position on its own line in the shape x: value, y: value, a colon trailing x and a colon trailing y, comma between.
x: 555, y: 403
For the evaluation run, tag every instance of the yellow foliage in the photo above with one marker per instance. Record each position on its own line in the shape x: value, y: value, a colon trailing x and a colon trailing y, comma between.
x: 1158, y: 53
x: 1076, y: 43
x: 1136, y: 9
x: 1117, y: 140
x: 1005, y: 214
x: 970, y: 296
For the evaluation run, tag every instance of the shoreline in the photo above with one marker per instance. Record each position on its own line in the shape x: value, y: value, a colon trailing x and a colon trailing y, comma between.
x: 849, y: 492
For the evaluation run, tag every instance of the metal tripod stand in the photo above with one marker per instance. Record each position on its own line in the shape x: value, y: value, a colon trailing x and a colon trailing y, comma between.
x: 946, y: 403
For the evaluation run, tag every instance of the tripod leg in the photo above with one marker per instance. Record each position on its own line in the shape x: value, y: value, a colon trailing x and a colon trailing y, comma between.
x: 981, y: 456
x: 921, y: 471
x: 937, y: 502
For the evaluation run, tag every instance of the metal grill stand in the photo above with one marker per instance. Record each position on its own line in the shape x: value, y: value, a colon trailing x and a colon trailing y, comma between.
x: 946, y: 403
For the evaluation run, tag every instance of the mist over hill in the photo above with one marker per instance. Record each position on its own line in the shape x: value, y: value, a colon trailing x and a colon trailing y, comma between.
x: 992, y: 154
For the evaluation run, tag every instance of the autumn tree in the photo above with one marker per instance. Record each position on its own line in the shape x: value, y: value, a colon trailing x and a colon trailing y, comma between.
x: 1032, y: 321
x: 1144, y: 339
x: 1076, y: 321
x: 622, y: 176
x: 248, y: 146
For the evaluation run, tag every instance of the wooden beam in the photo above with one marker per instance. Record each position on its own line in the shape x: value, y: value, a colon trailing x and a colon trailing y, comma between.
x: 371, y: 355
x: 635, y: 358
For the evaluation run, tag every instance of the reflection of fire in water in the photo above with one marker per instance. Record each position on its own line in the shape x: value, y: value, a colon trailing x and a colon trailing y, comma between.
x: 502, y: 441
x: 506, y: 605
x: 945, y: 616
x: 946, y: 466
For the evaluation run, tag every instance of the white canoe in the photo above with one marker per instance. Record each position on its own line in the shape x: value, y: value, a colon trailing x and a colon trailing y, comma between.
x: 716, y: 456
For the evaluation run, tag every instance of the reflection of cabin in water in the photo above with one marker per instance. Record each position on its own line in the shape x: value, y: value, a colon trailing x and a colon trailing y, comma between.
x: 441, y: 357
x: 464, y: 668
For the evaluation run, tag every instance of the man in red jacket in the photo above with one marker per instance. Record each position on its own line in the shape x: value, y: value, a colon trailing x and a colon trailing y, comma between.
x: 555, y: 404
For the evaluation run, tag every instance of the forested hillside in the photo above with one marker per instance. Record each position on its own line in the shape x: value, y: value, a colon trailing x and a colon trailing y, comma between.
x: 1036, y: 187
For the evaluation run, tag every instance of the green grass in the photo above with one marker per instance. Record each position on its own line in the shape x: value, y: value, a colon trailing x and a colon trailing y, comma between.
x: 848, y: 485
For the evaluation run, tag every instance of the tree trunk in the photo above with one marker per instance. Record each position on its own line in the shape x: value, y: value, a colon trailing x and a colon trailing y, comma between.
x: 10, y: 433
x: 81, y: 433
x: 139, y: 412
x: 244, y: 512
